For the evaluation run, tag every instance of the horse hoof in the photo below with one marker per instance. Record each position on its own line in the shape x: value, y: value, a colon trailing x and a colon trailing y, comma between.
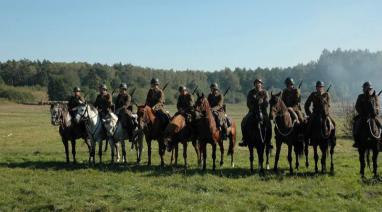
x: 268, y: 167
x: 307, y: 165
x: 233, y: 165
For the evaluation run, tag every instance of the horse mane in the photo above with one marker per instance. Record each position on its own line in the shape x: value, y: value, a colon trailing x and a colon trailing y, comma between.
x: 284, y: 110
x: 211, y: 120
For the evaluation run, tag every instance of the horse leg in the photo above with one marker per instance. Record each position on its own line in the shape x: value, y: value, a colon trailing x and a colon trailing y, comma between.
x: 172, y: 156
x: 162, y: 150
x: 331, y: 159
x: 176, y: 154
x: 66, y: 145
x: 74, y: 151
x: 221, y: 147
x: 185, y: 154
x: 323, y: 148
x: 116, y: 146
x: 277, y: 157
x: 139, y: 148
x: 231, y: 151
x: 260, y: 155
x: 361, y: 152
x: 197, y: 150
x: 306, y: 151
x: 315, y: 158
x: 148, y: 152
x: 267, y: 155
x: 204, y: 150
x: 124, y: 158
x: 112, y: 150
x: 92, y: 153
x: 290, y: 158
x: 213, y: 156
x: 297, y: 158
x: 375, y: 161
x: 100, y: 152
x: 251, y: 158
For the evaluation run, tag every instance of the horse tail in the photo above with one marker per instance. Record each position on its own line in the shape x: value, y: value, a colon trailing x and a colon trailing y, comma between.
x: 300, y: 146
x: 232, y: 139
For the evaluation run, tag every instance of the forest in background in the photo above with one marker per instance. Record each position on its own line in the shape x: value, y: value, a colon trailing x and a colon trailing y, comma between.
x: 346, y: 70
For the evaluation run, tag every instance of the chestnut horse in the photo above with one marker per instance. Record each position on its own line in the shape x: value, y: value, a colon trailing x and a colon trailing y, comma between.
x: 207, y: 132
x: 178, y: 131
x: 153, y: 128
x: 286, y: 130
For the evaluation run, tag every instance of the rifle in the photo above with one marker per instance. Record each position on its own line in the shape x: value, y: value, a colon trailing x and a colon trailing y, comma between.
x: 299, y: 85
x: 329, y: 88
x: 379, y: 93
x: 112, y: 93
x: 226, y: 91
x: 132, y: 92
x: 165, y: 86
x: 193, y: 92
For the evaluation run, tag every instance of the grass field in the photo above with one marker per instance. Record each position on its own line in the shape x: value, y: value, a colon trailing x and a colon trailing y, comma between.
x: 33, y: 176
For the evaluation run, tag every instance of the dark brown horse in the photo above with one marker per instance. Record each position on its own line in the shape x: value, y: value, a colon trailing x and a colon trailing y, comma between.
x: 258, y: 135
x: 369, y: 138
x: 287, y: 130
x: 207, y: 132
x: 178, y: 131
x: 322, y: 133
x: 153, y: 128
x: 69, y: 131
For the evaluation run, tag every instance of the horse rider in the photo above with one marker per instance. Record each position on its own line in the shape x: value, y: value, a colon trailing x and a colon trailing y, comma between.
x: 123, y: 108
x: 363, y: 110
x: 75, y: 100
x: 185, y: 104
x: 258, y: 96
x: 317, y: 98
x: 155, y: 99
x: 291, y: 96
x: 216, y: 101
x: 103, y: 102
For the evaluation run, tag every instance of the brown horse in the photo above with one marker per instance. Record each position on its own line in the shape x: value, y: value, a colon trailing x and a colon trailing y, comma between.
x: 286, y: 130
x: 369, y: 138
x: 207, y: 132
x: 322, y: 133
x: 60, y: 116
x: 178, y: 131
x: 153, y: 128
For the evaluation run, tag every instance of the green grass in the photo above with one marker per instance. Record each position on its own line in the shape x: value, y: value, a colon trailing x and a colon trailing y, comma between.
x: 33, y: 176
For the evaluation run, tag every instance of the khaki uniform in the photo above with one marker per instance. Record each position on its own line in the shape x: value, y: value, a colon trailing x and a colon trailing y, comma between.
x: 364, y: 111
x: 155, y: 99
x: 216, y: 102
x: 185, y: 106
x: 75, y: 101
x: 122, y: 102
x: 292, y: 99
x: 317, y: 99
x: 103, y: 103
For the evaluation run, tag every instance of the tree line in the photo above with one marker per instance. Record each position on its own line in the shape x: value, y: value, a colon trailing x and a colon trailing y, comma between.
x: 346, y: 70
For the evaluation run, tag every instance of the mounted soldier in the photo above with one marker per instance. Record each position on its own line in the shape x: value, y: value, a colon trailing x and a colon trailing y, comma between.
x: 256, y: 98
x: 216, y: 101
x: 364, y: 111
x: 317, y: 98
x: 123, y: 109
x: 185, y: 104
x: 75, y: 100
x: 291, y: 97
x: 155, y: 99
x: 103, y: 101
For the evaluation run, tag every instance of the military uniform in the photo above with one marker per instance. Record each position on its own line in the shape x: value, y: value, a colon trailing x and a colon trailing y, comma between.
x: 216, y: 102
x: 73, y: 102
x: 103, y: 103
x: 292, y: 99
x: 122, y: 103
x: 317, y: 99
x: 364, y: 112
x: 155, y: 98
x: 185, y: 106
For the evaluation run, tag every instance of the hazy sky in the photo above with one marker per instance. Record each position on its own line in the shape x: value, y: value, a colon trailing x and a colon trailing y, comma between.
x: 205, y: 35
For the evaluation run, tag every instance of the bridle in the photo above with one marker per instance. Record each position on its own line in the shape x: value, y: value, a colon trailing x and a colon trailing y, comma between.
x: 277, y: 110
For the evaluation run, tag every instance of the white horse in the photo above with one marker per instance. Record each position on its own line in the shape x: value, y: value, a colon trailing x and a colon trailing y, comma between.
x: 118, y: 134
x: 96, y: 132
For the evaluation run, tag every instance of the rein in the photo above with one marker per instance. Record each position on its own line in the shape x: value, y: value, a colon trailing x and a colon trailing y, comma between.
x: 371, y: 131
x: 289, y: 132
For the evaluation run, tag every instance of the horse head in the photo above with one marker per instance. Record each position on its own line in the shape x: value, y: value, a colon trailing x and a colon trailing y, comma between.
x: 56, y: 114
x: 201, y: 104
x: 275, y: 104
x: 176, y: 124
x: 81, y: 113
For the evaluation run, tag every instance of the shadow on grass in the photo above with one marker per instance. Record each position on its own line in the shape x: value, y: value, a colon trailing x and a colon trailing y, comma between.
x: 157, y: 170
